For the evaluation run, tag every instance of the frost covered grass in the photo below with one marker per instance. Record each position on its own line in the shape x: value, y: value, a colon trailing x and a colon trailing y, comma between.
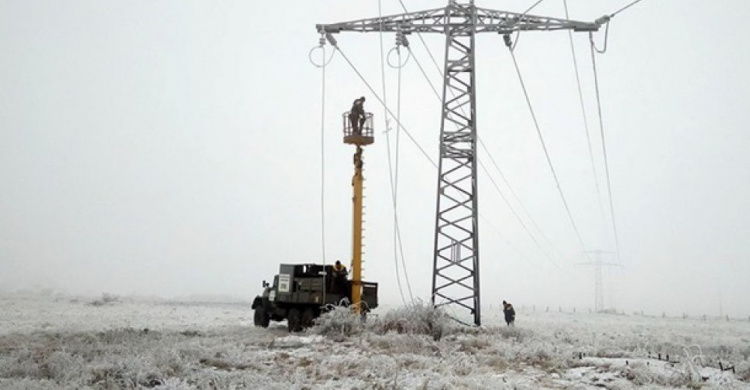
x: 413, y: 319
x: 48, y: 343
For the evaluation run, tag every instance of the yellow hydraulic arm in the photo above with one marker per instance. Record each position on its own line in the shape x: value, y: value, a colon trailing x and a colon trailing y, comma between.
x: 358, y: 132
x: 357, y: 182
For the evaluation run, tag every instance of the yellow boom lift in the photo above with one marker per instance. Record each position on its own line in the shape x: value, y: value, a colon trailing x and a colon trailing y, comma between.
x: 358, y: 133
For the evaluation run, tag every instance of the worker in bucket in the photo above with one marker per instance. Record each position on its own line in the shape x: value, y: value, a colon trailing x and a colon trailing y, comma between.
x: 357, y: 115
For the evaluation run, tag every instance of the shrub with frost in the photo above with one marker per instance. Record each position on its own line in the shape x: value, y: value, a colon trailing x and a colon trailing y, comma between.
x: 106, y: 299
x: 338, y: 321
x: 684, y: 375
x: 416, y: 318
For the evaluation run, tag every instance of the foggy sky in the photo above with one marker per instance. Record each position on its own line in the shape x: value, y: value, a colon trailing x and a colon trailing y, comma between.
x: 173, y: 148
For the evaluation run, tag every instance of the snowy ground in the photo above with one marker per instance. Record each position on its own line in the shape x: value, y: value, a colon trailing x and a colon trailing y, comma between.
x: 64, y: 343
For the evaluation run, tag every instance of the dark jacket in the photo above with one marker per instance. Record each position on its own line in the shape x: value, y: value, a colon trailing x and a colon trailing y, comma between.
x: 358, y: 108
x: 510, y: 313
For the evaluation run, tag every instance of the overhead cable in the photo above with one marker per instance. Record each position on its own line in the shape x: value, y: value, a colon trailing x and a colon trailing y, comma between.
x: 518, y: 218
x: 323, y: 63
x: 546, y: 152
x: 323, y: 160
x: 606, y: 39
x: 606, y: 19
x: 604, y: 145
x: 367, y: 84
x: 437, y: 95
x: 530, y: 8
x: 612, y: 15
x: 506, y: 241
x: 421, y: 39
x: 401, y: 40
x: 585, y: 117
x: 518, y: 199
x: 388, y: 148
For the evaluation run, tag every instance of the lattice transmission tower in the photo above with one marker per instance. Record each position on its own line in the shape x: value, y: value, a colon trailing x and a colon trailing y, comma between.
x: 598, y: 277
x: 455, y: 279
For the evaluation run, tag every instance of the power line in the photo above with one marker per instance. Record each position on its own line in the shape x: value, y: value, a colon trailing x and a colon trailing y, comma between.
x: 546, y: 153
x: 604, y: 145
x: 367, y: 84
x: 456, y: 277
x: 529, y: 9
x: 419, y: 146
x: 421, y: 39
x: 518, y: 218
x: 419, y: 65
x: 395, y: 181
x: 421, y: 69
x: 390, y: 167
x: 422, y: 150
x: 612, y: 15
x: 481, y: 142
x: 517, y: 198
x: 510, y: 245
x: 323, y: 63
x: 583, y: 112
x: 323, y: 159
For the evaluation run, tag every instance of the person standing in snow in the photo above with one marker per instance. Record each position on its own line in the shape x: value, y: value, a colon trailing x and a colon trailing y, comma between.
x: 510, y: 313
x: 357, y: 115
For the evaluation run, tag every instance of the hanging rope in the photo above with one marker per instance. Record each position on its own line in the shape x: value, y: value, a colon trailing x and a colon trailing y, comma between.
x: 544, y: 147
x: 604, y: 145
x: 323, y: 63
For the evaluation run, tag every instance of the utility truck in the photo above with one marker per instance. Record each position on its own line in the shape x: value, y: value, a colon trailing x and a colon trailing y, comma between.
x: 300, y: 293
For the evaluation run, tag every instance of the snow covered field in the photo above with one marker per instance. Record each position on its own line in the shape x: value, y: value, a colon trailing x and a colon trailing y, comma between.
x: 62, y: 343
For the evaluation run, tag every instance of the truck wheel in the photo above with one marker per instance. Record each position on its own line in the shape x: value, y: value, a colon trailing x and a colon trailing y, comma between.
x: 293, y: 320
x: 260, y: 318
x: 308, y: 318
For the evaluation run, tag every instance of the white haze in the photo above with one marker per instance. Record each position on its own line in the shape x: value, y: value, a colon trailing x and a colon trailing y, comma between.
x: 173, y: 148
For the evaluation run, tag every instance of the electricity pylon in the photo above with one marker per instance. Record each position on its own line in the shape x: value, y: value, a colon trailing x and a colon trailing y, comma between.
x: 455, y: 278
x: 598, y: 283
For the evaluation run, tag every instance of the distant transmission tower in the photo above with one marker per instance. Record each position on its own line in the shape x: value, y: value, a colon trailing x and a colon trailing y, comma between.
x: 455, y: 278
x: 598, y: 283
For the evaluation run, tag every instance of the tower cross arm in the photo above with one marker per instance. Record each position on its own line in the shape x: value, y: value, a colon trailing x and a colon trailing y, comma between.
x: 439, y: 20
x: 503, y: 22
x: 422, y: 21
